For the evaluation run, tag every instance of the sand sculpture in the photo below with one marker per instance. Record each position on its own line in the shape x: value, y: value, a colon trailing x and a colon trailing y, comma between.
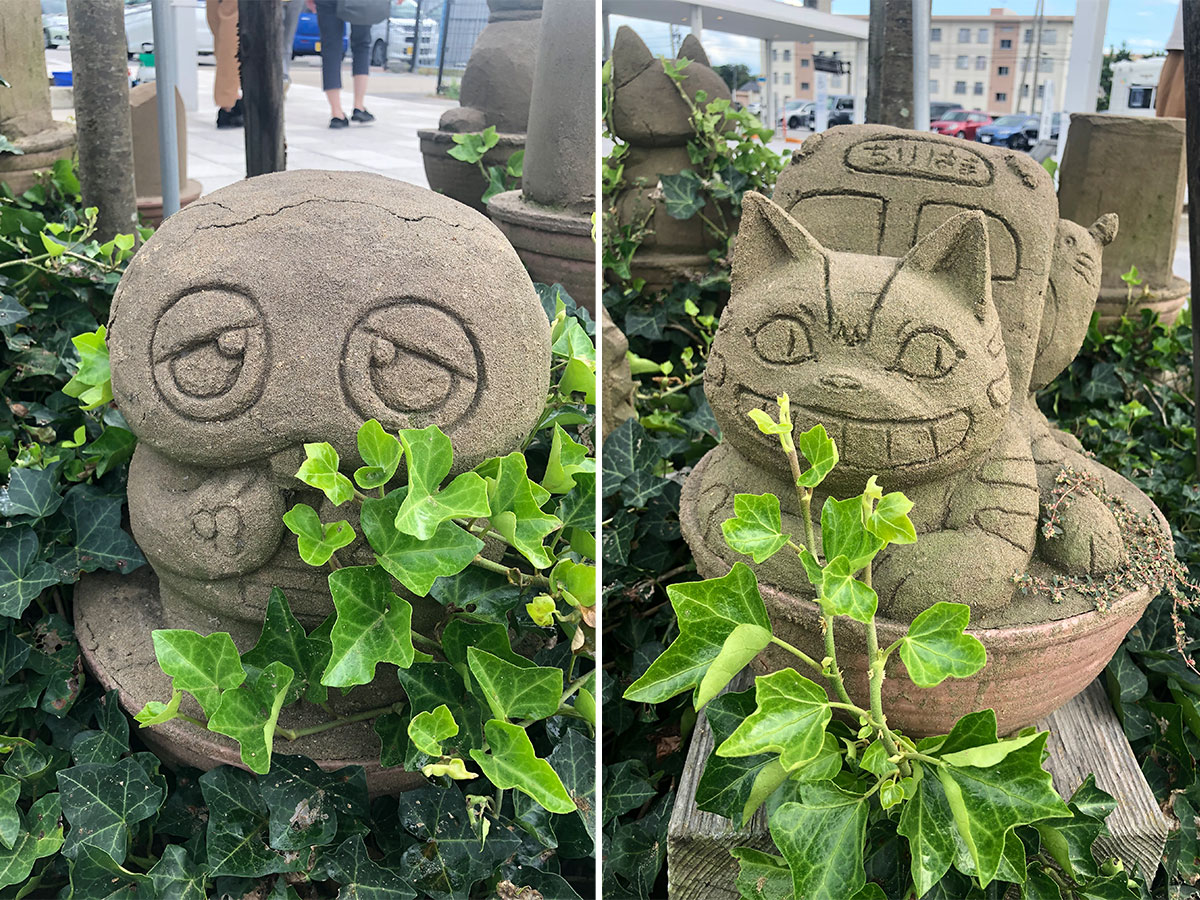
x: 281, y: 310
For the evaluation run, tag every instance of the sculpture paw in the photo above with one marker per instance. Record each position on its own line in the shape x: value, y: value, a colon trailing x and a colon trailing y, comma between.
x: 1086, y: 541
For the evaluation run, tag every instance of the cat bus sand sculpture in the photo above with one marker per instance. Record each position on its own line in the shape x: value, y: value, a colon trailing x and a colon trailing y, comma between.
x: 909, y: 292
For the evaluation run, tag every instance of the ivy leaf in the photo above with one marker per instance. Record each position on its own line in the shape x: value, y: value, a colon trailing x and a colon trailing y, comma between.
x: 176, y: 876
x: 762, y: 876
x: 514, y: 692
x: 238, y: 823
x: 567, y: 459
x: 96, y: 875
x: 513, y: 763
x: 789, y: 719
x: 22, y: 575
x: 283, y: 638
x: 361, y: 877
x: 1070, y: 841
x: 844, y: 595
x: 41, y: 835
x: 425, y: 507
x: 95, y: 518
x: 889, y: 520
x: 156, y: 712
x: 110, y: 741
x: 516, y: 505
x: 627, y: 786
x: 31, y: 494
x: 988, y: 803
x: 843, y: 533
x: 822, y: 840
x: 316, y: 542
x: 428, y: 729
x: 756, y: 527
x: 204, y: 666
x: 92, y: 384
x: 574, y: 759
x: 987, y: 755
x: 936, y: 648
x: 10, y: 816
x: 682, y: 196
x: 818, y: 448
x: 707, y: 612
x: 380, y: 451
x: 250, y: 712
x: 102, y: 802
x: 428, y: 686
x: 416, y: 564
x: 373, y: 625
x: 309, y: 805
x: 320, y: 470
x: 743, y: 644
x: 924, y: 821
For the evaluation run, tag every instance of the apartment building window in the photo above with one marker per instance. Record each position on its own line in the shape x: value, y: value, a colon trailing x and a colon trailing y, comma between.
x: 787, y: 77
x: 964, y: 35
x: 982, y: 37
x: 1002, y: 70
x: 1029, y: 35
x: 960, y: 87
x: 935, y: 61
x: 935, y: 34
x: 1005, y: 43
x: 981, y: 63
x: 775, y: 54
x: 933, y: 85
x: 962, y: 62
x: 1041, y: 90
x: 1049, y: 36
x: 1025, y: 89
x: 804, y: 85
x: 804, y: 63
x: 775, y: 78
x: 1045, y: 64
x: 1001, y: 96
x: 978, y: 91
x: 787, y: 55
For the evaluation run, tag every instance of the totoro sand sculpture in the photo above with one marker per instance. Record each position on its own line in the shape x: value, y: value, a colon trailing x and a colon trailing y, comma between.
x: 649, y: 114
x: 910, y: 292
x: 281, y: 310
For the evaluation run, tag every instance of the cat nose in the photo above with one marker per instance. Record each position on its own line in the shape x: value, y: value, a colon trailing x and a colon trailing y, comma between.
x: 840, y: 382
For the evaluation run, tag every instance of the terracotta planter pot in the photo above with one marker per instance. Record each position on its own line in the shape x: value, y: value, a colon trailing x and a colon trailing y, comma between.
x: 459, y: 180
x: 1165, y: 302
x: 1031, y: 670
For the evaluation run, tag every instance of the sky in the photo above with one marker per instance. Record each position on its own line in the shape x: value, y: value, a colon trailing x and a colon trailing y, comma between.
x: 1144, y: 25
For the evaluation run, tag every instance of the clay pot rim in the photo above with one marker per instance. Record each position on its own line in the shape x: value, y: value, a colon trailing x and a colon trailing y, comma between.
x: 1026, y: 636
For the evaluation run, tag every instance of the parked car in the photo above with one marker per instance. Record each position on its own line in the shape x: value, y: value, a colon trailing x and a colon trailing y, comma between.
x: 960, y: 123
x: 139, y: 25
x: 1008, y: 130
x: 1032, y: 133
x: 796, y: 114
x: 939, y: 108
x: 308, y: 37
x: 391, y: 39
x: 841, y: 111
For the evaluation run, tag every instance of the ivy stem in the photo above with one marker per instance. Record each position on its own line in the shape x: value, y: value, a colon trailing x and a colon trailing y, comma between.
x: 835, y: 671
x: 876, y: 660
x: 428, y: 642
x: 799, y: 654
x: 193, y: 720
x: 291, y: 734
x: 509, y: 571
x: 909, y: 754
x: 850, y: 707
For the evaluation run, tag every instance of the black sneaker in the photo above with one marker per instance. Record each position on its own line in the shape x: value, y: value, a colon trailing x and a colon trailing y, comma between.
x: 361, y: 115
x: 343, y: 122
x: 230, y: 118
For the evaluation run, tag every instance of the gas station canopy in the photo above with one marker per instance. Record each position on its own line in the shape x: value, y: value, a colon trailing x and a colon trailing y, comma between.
x: 766, y: 20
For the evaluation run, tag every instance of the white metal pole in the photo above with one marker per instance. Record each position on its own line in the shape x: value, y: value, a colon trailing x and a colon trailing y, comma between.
x: 921, y: 18
x: 183, y: 51
x: 698, y: 22
x: 1083, y: 65
x: 860, y: 82
x: 164, y: 75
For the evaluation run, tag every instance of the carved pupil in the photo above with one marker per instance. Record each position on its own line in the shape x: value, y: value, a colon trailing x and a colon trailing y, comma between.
x: 783, y: 339
x: 927, y: 354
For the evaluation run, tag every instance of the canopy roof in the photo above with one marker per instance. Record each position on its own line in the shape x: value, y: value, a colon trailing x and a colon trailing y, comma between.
x: 767, y: 20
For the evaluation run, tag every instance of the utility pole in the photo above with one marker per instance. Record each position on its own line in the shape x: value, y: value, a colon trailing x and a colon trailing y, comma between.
x: 1038, y: 22
x: 260, y: 34
x: 890, y: 63
x: 103, y: 126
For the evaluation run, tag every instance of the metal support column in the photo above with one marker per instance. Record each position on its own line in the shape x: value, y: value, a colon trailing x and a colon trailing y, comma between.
x: 164, y: 74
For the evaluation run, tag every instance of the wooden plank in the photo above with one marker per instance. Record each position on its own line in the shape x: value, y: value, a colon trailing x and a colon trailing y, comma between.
x: 1085, y: 737
x: 260, y: 34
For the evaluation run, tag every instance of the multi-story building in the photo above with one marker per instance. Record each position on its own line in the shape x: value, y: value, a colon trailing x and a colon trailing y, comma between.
x: 999, y: 63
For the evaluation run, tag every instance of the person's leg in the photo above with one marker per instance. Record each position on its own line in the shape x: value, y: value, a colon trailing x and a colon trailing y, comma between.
x: 291, y: 21
x: 331, y: 29
x: 360, y: 46
x: 223, y: 19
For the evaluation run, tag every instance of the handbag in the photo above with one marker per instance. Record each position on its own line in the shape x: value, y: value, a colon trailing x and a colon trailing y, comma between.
x: 363, y: 12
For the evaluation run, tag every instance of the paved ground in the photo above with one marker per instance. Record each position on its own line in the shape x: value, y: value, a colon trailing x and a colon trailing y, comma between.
x: 402, y: 103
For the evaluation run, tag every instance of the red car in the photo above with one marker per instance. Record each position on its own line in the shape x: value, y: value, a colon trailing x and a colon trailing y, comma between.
x: 960, y: 123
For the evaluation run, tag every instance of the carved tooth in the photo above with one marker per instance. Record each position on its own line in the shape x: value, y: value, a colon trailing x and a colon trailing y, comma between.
x: 866, y: 444
x: 950, y: 432
x: 911, y: 444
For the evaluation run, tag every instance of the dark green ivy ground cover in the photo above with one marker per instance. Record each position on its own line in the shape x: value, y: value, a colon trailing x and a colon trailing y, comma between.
x: 85, y: 810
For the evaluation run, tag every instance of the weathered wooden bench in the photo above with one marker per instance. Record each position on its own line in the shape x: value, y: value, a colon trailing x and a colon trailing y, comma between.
x: 1085, y: 737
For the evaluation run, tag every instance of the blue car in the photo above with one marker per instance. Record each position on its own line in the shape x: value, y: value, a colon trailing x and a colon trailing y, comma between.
x: 308, y: 36
x: 1011, y: 131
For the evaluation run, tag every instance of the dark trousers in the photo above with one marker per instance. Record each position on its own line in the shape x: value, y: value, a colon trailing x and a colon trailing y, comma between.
x: 332, y: 31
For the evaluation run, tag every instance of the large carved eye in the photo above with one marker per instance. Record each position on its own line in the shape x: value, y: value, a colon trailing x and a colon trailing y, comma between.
x: 782, y: 339
x: 927, y: 354
x: 411, y: 364
x: 209, y: 354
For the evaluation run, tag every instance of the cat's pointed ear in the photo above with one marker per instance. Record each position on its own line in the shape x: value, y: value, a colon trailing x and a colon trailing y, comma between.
x: 630, y: 55
x: 768, y: 237
x: 692, y: 49
x: 1104, y: 229
x: 958, y: 251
